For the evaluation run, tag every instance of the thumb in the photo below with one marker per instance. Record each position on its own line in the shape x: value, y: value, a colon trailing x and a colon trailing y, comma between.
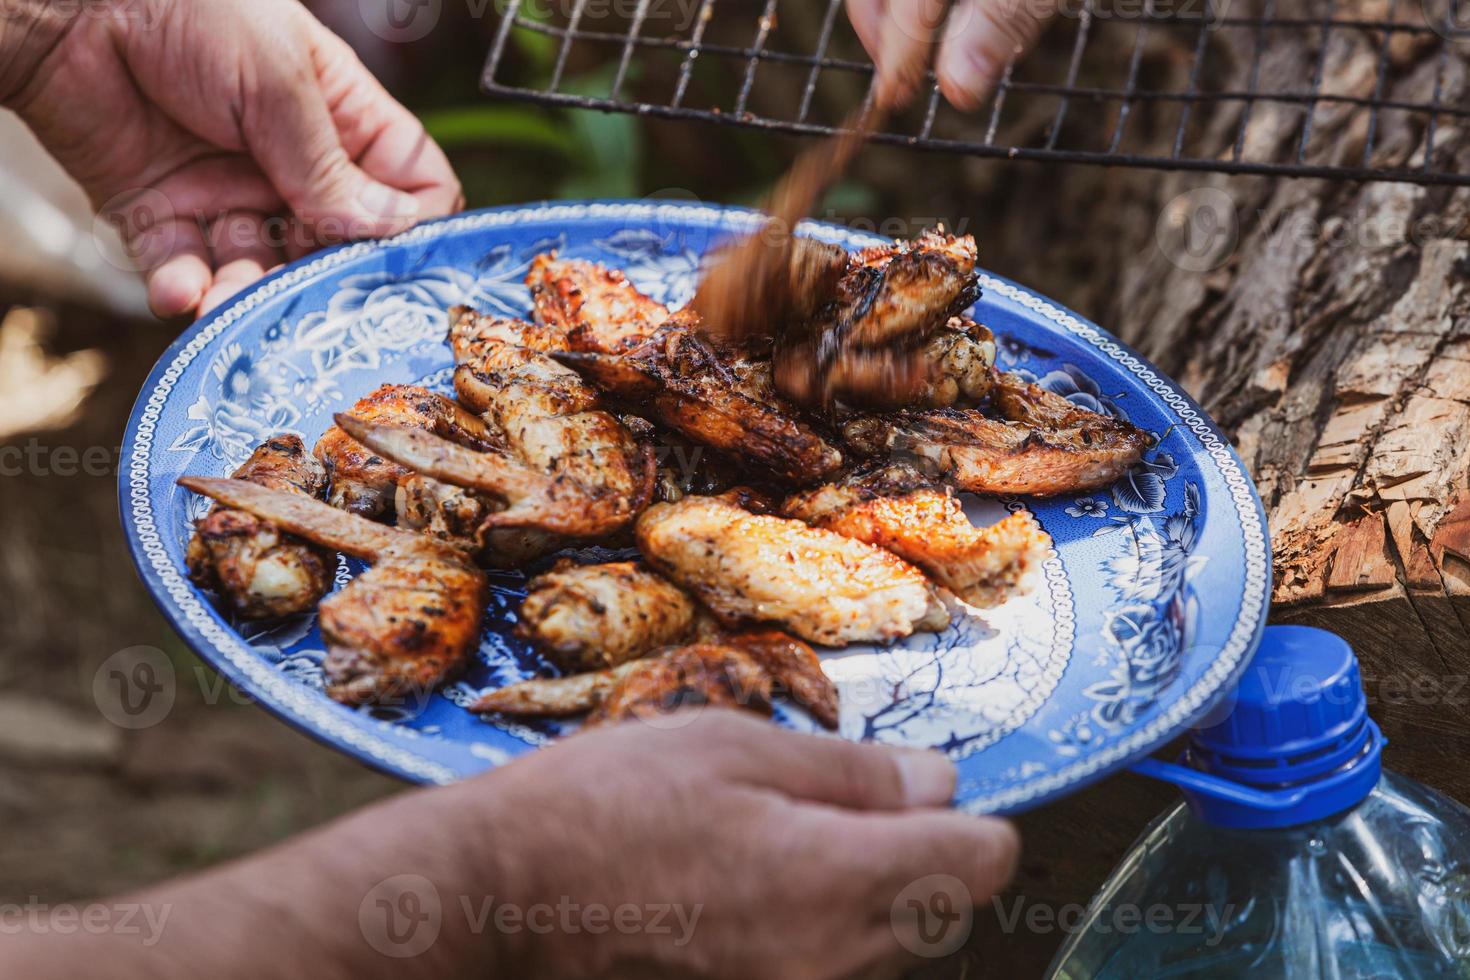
x: 288, y: 129
x: 855, y: 775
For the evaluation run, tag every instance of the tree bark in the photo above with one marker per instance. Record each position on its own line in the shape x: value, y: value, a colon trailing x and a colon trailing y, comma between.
x: 1332, y: 339
x: 1326, y: 326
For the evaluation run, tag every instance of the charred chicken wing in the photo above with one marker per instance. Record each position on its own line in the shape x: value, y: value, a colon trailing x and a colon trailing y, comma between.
x: 724, y: 401
x: 596, y: 308
x: 562, y: 465
x: 363, y: 482
x: 1043, y: 444
x: 742, y: 670
x: 684, y: 677
x: 399, y: 628
x: 259, y: 570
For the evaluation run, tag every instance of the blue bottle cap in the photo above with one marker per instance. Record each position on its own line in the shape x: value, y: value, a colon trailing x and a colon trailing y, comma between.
x: 1298, y: 733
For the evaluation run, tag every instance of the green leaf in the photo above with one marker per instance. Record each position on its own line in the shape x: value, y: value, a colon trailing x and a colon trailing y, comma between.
x: 850, y: 197
x: 539, y: 49
x: 500, y: 125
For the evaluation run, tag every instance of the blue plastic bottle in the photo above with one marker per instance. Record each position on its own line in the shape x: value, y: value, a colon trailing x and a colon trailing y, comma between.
x: 1294, y: 855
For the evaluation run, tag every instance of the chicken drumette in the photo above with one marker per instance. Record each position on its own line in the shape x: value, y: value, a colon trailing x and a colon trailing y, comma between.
x: 258, y: 569
x: 740, y: 670
x: 586, y: 617
x: 365, y: 483
x: 399, y: 628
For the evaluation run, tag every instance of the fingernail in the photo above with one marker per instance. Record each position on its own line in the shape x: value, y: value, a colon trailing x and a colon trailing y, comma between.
x: 386, y: 202
x: 928, y: 777
x: 970, y: 78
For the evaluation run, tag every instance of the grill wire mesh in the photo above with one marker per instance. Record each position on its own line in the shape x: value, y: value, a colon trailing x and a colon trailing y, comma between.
x: 1077, y: 99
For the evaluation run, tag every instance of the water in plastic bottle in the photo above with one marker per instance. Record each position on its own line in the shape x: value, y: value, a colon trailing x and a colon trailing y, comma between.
x: 1294, y: 855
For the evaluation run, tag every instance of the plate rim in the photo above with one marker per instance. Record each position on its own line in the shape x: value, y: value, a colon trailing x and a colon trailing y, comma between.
x: 301, y: 707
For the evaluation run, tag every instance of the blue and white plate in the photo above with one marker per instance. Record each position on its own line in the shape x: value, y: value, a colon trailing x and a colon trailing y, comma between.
x: 1145, y: 616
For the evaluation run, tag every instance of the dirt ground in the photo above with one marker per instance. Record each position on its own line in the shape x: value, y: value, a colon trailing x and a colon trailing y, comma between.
x: 90, y: 808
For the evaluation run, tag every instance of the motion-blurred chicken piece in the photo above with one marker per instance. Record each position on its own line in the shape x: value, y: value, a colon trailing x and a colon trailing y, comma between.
x: 399, y: 628
x: 896, y: 291
x: 586, y: 617
x: 744, y: 670
x: 363, y: 482
x: 259, y: 570
x: 866, y: 347
x: 596, y: 307
x: 1043, y: 444
x: 817, y: 584
x: 896, y: 507
x: 720, y: 398
x: 759, y: 285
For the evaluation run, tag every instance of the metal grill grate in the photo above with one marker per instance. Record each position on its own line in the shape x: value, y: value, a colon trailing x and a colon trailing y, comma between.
x: 1079, y: 99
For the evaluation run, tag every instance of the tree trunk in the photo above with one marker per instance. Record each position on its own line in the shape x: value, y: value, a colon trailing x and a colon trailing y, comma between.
x: 1331, y: 336
x: 1326, y: 326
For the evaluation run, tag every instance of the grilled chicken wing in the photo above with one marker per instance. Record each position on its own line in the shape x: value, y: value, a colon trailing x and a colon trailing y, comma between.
x: 819, y: 585
x: 962, y: 354
x: 738, y: 670
x: 795, y: 671
x: 678, y: 379
x: 596, y: 308
x: 698, y: 674
x: 363, y: 482
x: 586, y: 617
x: 260, y: 571
x: 1043, y: 445
x: 563, y: 466
x: 399, y: 628
x: 597, y: 473
x: 866, y: 346
x: 896, y: 507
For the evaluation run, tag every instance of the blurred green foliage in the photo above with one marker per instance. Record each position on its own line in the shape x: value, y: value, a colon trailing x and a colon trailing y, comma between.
x: 508, y: 152
x: 591, y: 154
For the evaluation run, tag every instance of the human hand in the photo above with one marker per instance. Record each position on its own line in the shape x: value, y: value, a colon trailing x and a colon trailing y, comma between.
x: 221, y: 137
x: 740, y: 850
x: 979, y: 39
x: 786, y: 851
